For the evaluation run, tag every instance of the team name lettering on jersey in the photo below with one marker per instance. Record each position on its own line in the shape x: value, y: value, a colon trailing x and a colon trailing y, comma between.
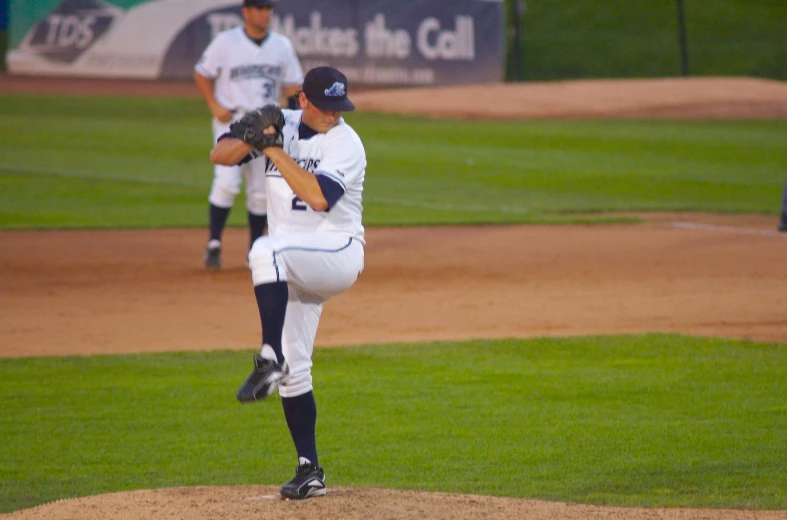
x: 254, y: 72
x: 310, y: 165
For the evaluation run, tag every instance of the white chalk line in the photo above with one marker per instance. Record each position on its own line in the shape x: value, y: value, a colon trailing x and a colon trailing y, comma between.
x: 725, y: 229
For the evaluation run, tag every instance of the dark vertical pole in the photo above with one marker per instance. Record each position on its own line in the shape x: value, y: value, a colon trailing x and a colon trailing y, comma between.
x: 516, y: 52
x: 684, y: 52
x: 4, y: 8
x: 4, y: 5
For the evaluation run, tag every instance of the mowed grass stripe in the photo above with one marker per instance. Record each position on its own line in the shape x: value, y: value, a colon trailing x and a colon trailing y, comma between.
x: 92, y: 175
x: 420, y: 171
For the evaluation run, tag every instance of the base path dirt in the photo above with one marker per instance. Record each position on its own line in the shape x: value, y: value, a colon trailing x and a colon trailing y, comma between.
x: 100, y: 292
x: 674, y: 98
x: 106, y: 292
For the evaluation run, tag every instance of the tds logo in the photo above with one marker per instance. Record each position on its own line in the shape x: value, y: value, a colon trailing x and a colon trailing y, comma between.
x: 70, y: 29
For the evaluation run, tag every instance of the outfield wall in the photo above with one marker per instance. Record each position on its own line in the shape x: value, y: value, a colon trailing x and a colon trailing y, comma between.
x: 3, y: 15
x: 375, y: 42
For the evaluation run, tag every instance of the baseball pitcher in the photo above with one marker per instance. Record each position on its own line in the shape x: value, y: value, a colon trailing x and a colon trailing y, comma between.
x: 315, y: 166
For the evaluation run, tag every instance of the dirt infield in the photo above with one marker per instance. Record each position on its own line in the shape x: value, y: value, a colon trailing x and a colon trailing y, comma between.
x: 700, y: 98
x: 709, y: 275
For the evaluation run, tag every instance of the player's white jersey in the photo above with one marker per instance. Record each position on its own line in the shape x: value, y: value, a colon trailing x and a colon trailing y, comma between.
x: 337, y: 154
x: 248, y: 75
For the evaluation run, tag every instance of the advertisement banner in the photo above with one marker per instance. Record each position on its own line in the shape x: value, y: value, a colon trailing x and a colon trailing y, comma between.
x: 375, y: 42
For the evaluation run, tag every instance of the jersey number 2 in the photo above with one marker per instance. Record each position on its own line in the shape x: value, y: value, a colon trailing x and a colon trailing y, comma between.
x: 298, y: 204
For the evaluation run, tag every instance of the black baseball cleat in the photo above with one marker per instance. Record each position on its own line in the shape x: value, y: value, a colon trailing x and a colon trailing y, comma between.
x: 309, y: 482
x: 264, y: 379
x: 783, y: 224
x: 213, y: 256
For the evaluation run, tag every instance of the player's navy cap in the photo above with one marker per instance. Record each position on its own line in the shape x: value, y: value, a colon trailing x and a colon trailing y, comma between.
x: 326, y: 88
x: 259, y: 3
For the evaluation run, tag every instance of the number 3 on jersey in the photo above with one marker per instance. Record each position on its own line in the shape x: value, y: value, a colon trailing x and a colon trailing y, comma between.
x: 267, y: 90
x: 298, y: 204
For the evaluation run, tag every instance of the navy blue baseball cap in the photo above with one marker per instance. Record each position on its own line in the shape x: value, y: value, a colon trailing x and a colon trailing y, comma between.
x: 326, y: 88
x: 259, y: 3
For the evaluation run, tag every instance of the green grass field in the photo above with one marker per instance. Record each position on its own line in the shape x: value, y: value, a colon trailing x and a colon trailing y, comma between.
x: 659, y: 420
x: 653, y: 420
x: 105, y: 162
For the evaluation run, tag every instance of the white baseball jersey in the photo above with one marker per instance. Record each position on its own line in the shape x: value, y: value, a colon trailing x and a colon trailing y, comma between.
x: 247, y: 75
x: 318, y: 253
x: 337, y: 155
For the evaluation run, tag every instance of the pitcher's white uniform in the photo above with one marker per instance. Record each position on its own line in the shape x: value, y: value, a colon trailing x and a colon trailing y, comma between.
x: 318, y: 253
x: 246, y: 76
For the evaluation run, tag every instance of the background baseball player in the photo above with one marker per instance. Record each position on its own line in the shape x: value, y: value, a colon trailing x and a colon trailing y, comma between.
x: 315, y: 167
x: 242, y: 69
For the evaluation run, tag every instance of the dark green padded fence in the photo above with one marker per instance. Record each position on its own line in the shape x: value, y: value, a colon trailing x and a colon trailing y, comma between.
x: 572, y: 39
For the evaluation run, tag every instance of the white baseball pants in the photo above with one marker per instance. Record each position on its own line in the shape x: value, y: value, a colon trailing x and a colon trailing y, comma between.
x: 316, y: 267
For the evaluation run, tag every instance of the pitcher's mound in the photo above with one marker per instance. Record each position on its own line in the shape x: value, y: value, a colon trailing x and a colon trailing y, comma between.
x: 263, y: 503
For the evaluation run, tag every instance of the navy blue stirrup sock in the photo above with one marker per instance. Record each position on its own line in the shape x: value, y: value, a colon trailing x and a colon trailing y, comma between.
x: 257, y: 225
x: 272, y: 304
x: 301, y: 415
x: 218, y: 220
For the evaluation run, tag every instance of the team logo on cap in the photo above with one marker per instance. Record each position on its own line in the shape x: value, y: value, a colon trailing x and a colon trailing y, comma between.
x: 336, y: 90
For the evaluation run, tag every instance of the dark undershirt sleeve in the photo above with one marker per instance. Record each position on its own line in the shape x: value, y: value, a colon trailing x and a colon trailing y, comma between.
x: 331, y: 190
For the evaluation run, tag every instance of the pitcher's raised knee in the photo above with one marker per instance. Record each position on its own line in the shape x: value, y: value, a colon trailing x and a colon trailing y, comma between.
x: 262, y: 262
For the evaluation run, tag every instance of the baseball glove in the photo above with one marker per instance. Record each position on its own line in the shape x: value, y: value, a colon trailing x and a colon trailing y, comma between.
x: 250, y: 127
